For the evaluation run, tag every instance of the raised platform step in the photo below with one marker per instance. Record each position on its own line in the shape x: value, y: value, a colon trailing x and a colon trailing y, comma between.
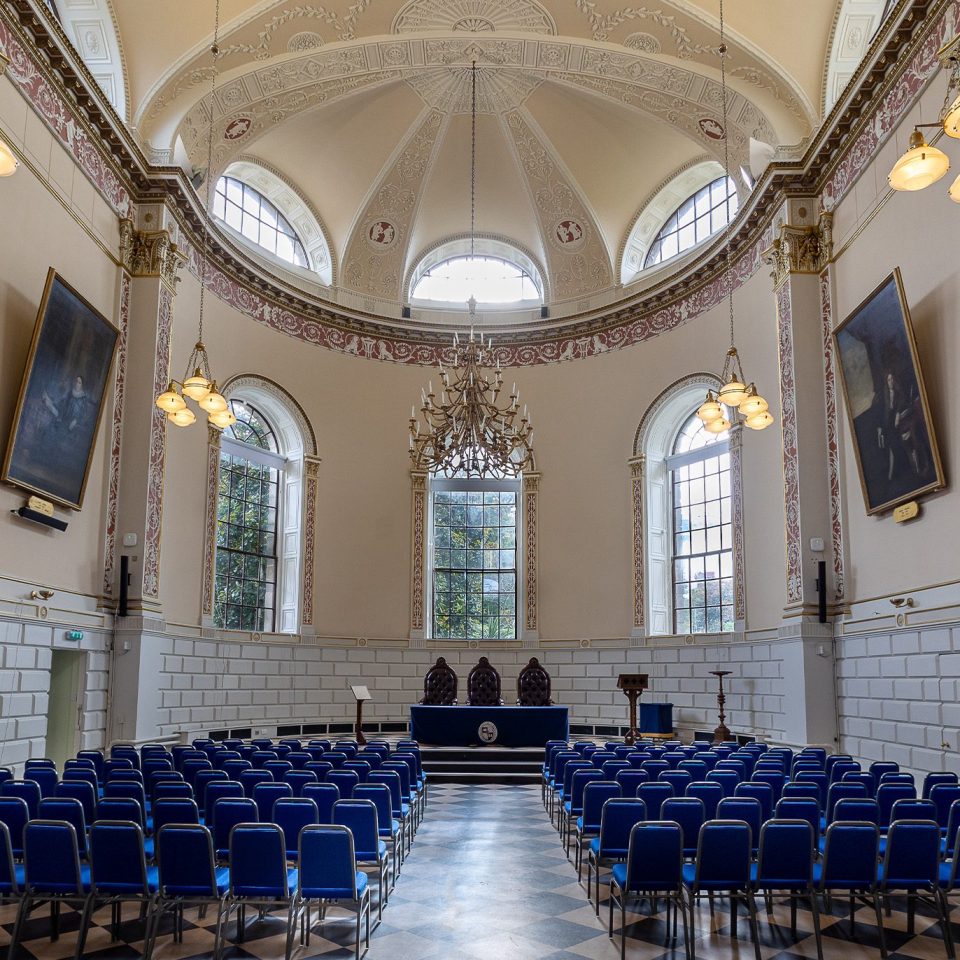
x: 482, y: 764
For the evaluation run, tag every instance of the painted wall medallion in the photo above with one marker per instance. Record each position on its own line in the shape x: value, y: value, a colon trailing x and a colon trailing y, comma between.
x: 381, y: 233
x: 710, y: 128
x: 237, y: 128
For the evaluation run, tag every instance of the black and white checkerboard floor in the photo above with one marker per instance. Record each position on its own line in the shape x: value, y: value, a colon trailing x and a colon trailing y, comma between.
x: 488, y: 879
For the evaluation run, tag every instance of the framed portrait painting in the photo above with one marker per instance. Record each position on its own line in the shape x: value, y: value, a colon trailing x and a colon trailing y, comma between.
x: 893, y: 435
x: 61, y: 396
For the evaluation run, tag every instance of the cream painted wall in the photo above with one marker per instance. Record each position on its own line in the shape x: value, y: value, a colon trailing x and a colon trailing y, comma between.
x: 918, y: 233
x: 586, y: 414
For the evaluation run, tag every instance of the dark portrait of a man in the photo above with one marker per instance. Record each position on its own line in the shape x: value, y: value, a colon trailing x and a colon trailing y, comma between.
x: 886, y: 403
x: 61, y: 397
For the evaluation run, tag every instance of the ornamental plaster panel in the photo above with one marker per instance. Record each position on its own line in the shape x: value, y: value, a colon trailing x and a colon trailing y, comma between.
x: 376, y: 252
x: 116, y: 439
x: 473, y: 16
x: 638, y: 545
x: 210, y: 526
x: 449, y: 88
x: 531, y: 491
x: 576, y: 255
x: 418, y: 547
x: 309, y: 539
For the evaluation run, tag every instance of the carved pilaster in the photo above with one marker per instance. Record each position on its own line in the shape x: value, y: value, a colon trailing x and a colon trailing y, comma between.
x: 531, y: 492
x: 312, y: 470
x: 150, y: 254
x: 736, y: 510
x: 637, y: 467
x: 210, y: 527
x: 418, y: 549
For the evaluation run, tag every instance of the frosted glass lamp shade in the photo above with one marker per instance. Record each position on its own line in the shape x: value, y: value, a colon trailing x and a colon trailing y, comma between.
x: 214, y: 402
x: 951, y: 120
x: 182, y: 418
x: 222, y: 419
x: 717, y: 426
x: 710, y: 409
x: 753, y: 404
x: 732, y: 394
x: 920, y: 166
x: 8, y: 162
x: 759, y: 421
x: 197, y: 386
x: 170, y: 401
x: 954, y: 192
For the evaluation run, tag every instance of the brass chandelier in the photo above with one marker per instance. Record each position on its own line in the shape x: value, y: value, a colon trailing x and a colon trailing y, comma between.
x: 737, y: 399
x: 198, y: 382
x: 472, y: 429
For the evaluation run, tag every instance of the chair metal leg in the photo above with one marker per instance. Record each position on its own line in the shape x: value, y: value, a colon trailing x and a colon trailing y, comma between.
x: 883, y: 939
x: 85, y: 926
x: 755, y: 923
x: 693, y: 925
x: 687, y: 940
x: 815, y: 910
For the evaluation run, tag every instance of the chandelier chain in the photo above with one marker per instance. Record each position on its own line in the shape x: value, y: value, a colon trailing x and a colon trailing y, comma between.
x: 726, y: 167
x: 215, y: 51
x: 473, y: 158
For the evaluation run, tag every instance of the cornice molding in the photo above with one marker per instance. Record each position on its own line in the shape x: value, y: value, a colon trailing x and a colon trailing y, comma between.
x: 901, y: 61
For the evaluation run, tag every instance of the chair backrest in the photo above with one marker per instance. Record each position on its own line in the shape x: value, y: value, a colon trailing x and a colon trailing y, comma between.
x: 440, y: 685
x: 748, y: 810
x: 117, y: 863
x: 360, y: 816
x: 653, y: 795
x: 374, y: 758
x: 944, y: 795
x: 914, y: 810
x: 348, y: 747
x: 115, y: 764
x: 51, y: 857
x: 696, y: 768
x: 655, y: 857
x: 533, y: 685
x: 570, y: 769
x: 121, y: 808
x: 762, y: 792
x: 26, y: 790
x: 298, y: 779
x: 82, y: 791
x: 879, y: 767
x: 786, y: 854
x: 861, y: 776
x: 260, y: 758
x: 710, y: 792
x: 346, y: 780
x: 116, y: 789
x: 291, y: 814
x: 912, y: 857
x: 840, y: 791
x: 325, y: 795
x: 630, y: 780
x: 45, y: 777
x: 800, y: 808
x: 9, y: 884
x: 483, y: 685
x: 174, y: 810
x: 723, y: 855
x: 736, y: 766
x: 69, y: 810
x: 298, y: 758
x: 897, y: 778
x: 774, y: 779
x: 216, y: 791
x: 250, y: 779
x: 172, y: 788
x: 932, y: 780
x: 186, y: 861
x: 265, y: 795
x: 727, y: 779
x: 95, y: 757
x: 258, y: 861
x: 379, y: 795
x: 233, y: 768
x: 361, y: 768
x: 616, y: 821
x: 653, y: 767
x: 862, y: 809
x: 689, y: 812
x: 578, y: 782
x: 227, y: 813
x: 14, y: 814
x: 327, y: 863
x: 888, y: 794
x: 595, y: 794
x: 838, y: 770
x: 850, y: 855
x: 817, y: 777
x: 678, y: 779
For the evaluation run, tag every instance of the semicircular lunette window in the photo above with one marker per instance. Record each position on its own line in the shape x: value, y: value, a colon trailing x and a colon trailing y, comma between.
x: 251, y: 214
x: 490, y: 280
x: 707, y: 212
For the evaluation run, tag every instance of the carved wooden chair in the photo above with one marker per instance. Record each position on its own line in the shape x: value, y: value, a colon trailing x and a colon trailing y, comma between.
x: 483, y: 685
x: 440, y: 685
x: 533, y: 685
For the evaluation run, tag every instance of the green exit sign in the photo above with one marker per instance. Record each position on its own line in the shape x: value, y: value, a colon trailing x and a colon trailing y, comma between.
x: 75, y: 635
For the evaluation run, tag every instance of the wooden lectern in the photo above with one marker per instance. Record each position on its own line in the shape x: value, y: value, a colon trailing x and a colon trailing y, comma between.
x: 633, y: 684
x: 361, y: 693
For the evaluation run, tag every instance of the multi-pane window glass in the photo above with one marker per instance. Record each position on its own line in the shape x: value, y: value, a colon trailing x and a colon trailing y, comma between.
x: 488, y: 279
x: 709, y: 210
x: 246, y: 566
x: 253, y: 215
x: 703, y: 591
x: 475, y: 564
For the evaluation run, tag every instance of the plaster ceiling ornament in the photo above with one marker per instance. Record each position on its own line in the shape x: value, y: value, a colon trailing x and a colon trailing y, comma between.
x: 644, y: 42
x: 304, y: 41
x: 498, y: 90
x: 474, y: 16
x: 238, y: 128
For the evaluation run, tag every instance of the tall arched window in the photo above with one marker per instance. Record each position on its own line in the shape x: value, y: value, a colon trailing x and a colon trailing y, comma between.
x: 251, y: 214
x: 248, y: 505
x: 702, y: 542
x: 708, y: 211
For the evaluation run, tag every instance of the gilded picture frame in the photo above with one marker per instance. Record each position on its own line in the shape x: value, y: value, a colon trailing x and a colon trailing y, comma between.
x: 885, y: 397
x: 61, y: 398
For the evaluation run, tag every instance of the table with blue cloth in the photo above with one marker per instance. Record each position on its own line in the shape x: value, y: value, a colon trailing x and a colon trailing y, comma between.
x: 456, y: 726
x: 655, y: 718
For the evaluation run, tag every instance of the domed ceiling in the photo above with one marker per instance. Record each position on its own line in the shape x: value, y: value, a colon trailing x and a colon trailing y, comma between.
x: 587, y: 108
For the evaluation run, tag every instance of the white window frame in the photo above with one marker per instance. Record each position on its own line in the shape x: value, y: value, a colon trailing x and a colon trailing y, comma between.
x: 469, y: 485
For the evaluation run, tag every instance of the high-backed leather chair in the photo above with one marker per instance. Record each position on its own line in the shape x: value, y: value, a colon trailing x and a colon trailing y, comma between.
x: 533, y: 685
x: 483, y: 685
x: 440, y: 685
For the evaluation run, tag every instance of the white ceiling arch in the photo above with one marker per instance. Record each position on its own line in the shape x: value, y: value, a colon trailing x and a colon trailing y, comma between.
x: 856, y: 24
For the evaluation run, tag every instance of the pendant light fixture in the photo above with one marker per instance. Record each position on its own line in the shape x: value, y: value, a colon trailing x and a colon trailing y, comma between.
x: 923, y: 164
x: 8, y: 160
x: 198, y: 383
x: 737, y: 399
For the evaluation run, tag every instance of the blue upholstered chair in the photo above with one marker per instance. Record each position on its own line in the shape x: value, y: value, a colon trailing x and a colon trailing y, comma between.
x: 610, y: 845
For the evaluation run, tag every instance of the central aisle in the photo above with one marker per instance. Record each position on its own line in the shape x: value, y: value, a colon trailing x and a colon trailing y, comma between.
x: 488, y: 879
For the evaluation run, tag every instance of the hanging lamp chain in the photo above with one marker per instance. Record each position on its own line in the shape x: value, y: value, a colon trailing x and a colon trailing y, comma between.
x: 215, y: 52
x: 726, y: 167
x: 473, y: 157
